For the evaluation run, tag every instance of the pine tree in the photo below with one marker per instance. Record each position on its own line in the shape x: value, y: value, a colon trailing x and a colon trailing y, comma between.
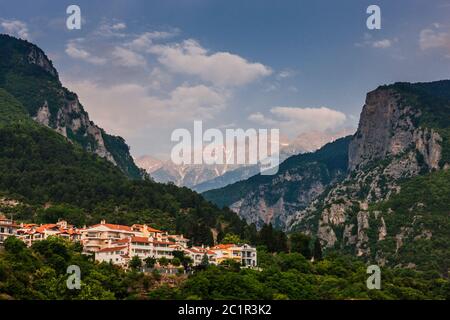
x: 317, y: 250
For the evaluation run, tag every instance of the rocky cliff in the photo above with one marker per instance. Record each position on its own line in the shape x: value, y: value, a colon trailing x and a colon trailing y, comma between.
x: 28, y: 74
x: 389, y: 203
x: 400, y: 139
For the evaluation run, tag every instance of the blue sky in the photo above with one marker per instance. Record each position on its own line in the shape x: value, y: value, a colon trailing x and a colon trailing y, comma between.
x: 145, y: 68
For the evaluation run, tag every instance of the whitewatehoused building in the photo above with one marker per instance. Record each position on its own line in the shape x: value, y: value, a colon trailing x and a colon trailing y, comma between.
x: 117, y: 244
x: 7, y: 228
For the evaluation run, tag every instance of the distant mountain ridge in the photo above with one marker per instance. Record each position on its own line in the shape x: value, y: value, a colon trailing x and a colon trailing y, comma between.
x: 28, y: 74
x: 390, y: 203
x: 202, y: 178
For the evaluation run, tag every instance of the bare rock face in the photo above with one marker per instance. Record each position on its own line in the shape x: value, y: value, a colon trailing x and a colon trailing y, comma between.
x: 43, y: 115
x: 387, y: 147
x: 385, y: 128
x: 428, y: 143
x: 71, y: 117
x: 255, y: 208
x: 37, y: 56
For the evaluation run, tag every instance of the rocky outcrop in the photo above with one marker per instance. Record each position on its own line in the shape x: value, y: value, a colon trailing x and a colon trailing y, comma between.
x: 37, y: 56
x: 385, y: 129
x: 72, y: 122
x: 389, y: 146
x: 54, y: 106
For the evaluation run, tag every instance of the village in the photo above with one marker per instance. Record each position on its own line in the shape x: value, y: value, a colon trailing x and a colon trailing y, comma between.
x: 119, y: 244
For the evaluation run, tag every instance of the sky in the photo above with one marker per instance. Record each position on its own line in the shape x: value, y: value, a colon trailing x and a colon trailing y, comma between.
x: 145, y: 68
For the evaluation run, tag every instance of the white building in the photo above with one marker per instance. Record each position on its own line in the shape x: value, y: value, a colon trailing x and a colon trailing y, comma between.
x: 197, y: 254
x: 7, y: 228
x: 118, y: 255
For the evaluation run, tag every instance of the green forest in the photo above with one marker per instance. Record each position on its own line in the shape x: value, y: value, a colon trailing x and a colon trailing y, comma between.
x: 39, y: 273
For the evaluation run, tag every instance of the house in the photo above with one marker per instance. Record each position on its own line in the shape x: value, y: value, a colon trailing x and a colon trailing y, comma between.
x: 179, y: 239
x: 98, y: 236
x: 7, y: 228
x: 197, y: 254
x: 118, y: 255
x: 248, y: 255
x: 144, y: 230
x: 245, y: 254
x: 30, y: 233
x: 227, y: 252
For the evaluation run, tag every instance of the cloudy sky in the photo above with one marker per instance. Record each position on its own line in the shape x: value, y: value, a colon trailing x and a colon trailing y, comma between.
x: 145, y: 68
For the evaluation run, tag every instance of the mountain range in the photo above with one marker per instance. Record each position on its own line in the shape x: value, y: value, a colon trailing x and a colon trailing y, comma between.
x: 382, y: 193
x: 202, y: 178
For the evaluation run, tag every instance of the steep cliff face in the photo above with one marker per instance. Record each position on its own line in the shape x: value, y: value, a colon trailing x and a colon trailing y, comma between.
x: 401, y: 136
x: 28, y: 74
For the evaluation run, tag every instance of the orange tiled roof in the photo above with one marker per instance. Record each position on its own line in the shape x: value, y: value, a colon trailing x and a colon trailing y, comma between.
x: 140, y: 239
x: 113, y: 227
x: 112, y: 249
x: 149, y: 229
x: 124, y: 240
x: 200, y: 250
x: 223, y: 246
x: 44, y: 227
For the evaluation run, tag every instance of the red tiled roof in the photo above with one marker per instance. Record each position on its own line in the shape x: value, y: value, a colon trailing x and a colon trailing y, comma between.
x: 223, y: 246
x: 140, y: 239
x: 150, y: 229
x: 112, y: 249
x: 113, y: 227
x: 124, y: 240
x: 201, y: 250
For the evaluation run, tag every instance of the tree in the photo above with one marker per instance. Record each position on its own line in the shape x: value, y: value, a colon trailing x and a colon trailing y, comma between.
x: 135, y: 263
x: 231, y: 238
x: 317, y: 250
x: 163, y: 261
x: 274, y: 240
x: 300, y: 243
x: 184, y: 260
x: 150, y: 262
x: 14, y: 245
x: 205, y: 261
x: 176, y: 262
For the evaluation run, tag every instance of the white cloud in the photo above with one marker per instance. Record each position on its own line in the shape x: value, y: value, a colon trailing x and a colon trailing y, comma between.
x: 127, y: 58
x: 434, y: 38
x: 368, y: 41
x: 385, y: 43
x: 77, y: 52
x: 291, y: 120
x: 15, y: 28
x: 111, y: 29
x: 145, y: 40
x: 127, y: 109
x: 286, y: 73
x: 221, y: 68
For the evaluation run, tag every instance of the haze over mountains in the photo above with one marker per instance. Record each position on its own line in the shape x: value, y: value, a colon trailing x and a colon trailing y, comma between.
x: 206, y: 177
